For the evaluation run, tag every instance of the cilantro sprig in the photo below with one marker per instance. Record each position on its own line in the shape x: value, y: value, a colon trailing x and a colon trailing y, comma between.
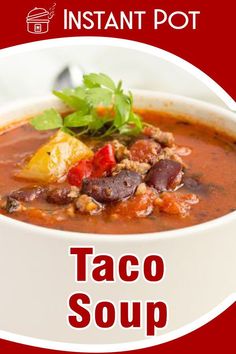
x: 96, y: 90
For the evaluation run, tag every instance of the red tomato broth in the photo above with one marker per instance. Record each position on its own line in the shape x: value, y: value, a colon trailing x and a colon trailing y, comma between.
x: 212, y: 160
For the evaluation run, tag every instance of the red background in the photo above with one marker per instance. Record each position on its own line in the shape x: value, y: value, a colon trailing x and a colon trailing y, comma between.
x: 211, y: 47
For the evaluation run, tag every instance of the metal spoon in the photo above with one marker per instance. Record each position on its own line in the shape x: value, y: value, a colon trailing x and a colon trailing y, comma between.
x: 70, y: 76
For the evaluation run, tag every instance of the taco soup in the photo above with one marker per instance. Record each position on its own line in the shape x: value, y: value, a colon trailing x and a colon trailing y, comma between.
x: 107, y: 168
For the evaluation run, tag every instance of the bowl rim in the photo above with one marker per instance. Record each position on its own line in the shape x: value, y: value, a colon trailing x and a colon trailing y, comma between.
x: 73, y: 236
x: 203, y: 105
x: 151, y: 236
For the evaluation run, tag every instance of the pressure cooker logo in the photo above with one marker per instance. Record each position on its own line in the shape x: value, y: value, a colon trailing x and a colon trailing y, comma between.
x: 39, y: 18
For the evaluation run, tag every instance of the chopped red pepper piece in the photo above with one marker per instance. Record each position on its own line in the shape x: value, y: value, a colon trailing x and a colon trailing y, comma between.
x: 81, y: 170
x: 103, y: 160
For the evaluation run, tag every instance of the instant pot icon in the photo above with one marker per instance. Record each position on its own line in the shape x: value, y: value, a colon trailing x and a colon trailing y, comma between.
x: 38, y: 19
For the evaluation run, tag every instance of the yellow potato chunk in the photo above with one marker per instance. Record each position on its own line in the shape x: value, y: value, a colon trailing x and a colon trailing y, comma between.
x: 52, y: 160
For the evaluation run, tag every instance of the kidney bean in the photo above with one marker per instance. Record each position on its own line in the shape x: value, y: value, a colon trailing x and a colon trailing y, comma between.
x: 59, y: 196
x: 27, y: 194
x: 110, y: 189
x: 164, y: 175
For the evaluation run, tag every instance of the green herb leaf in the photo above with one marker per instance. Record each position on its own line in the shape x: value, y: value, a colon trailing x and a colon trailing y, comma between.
x: 77, y: 120
x: 49, y: 119
x: 97, y: 89
x: 98, y: 80
x: 73, y: 100
x: 136, y: 120
x: 99, y: 95
x: 80, y: 92
x: 123, y: 107
x: 97, y: 123
x: 127, y: 129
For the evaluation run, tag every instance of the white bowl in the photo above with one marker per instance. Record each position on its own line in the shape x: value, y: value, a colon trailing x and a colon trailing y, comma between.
x: 37, y: 274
